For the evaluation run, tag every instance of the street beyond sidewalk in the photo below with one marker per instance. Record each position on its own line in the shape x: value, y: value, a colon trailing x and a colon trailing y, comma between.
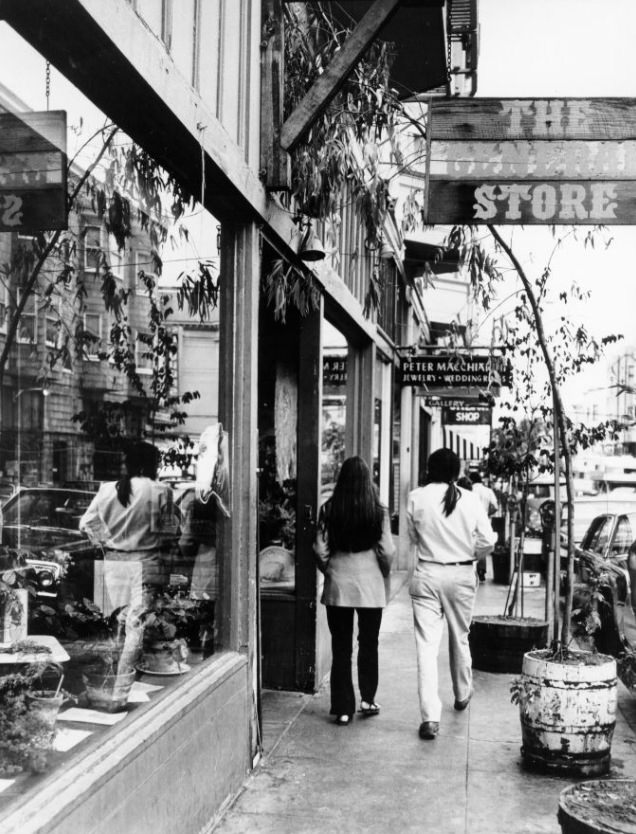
x: 376, y: 776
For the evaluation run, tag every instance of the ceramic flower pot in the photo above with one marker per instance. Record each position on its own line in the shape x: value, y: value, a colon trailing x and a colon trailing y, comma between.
x: 164, y: 657
x: 107, y: 690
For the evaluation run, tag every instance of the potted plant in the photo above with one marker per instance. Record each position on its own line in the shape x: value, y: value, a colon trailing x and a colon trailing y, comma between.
x: 567, y: 698
x: 165, y: 624
x: 28, y: 712
x: 598, y: 806
x: 498, y: 642
x: 109, y: 663
x: 46, y: 696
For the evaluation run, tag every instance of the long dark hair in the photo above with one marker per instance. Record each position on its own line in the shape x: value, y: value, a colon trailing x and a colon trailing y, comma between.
x: 352, y: 517
x: 443, y: 467
x: 142, y: 460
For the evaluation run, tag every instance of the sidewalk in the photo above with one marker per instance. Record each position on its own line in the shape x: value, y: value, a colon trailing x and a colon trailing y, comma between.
x: 376, y: 776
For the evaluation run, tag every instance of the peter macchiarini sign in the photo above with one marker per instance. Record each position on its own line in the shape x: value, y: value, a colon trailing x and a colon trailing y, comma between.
x: 451, y: 371
x: 531, y: 161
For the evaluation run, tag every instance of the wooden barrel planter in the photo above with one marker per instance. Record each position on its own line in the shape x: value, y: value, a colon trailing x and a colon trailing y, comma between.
x: 599, y: 806
x: 568, y: 712
x: 498, y: 643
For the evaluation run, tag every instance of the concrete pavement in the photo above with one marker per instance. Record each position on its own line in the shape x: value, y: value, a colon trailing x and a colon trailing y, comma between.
x: 376, y: 776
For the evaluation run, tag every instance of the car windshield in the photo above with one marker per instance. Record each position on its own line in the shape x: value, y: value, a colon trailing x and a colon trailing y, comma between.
x: 47, y: 508
x: 598, y: 534
x: 623, y: 536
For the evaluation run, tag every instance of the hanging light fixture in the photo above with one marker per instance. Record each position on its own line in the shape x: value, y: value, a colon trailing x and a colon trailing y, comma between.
x: 310, y: 247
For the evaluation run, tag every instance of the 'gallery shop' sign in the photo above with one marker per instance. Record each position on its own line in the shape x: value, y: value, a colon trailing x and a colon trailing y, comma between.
x: 33, y: 171
x: 531, y: 161
x: 444, y: 371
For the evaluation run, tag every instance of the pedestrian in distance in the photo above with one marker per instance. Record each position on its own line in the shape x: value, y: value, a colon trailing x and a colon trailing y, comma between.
x: 485, y: 494
x: 354, y: 548
x: 449, y: 530
x: 489, y: 500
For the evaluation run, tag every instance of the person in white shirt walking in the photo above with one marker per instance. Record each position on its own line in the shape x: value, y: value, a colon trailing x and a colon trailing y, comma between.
x: 449, y: 530
x: 485, y: 494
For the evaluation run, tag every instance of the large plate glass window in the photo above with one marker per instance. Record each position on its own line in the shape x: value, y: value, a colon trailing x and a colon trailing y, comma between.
x: 109, y: 584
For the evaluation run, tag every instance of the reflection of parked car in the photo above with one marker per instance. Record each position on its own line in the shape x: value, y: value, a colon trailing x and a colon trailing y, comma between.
x: 608, y: 548
x: 43, y: 523
x: 586, y: 505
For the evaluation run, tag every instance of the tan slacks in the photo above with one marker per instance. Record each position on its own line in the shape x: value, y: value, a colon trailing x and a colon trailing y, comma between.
x: 438, y: 592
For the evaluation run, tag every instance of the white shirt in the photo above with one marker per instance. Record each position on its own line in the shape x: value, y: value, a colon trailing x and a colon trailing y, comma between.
x: 459, y: 537
x: 145, y: 524
x: 487, y: 497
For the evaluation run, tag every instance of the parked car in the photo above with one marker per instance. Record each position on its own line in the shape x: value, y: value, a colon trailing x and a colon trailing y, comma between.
x: 588, y: 504
x: 42, y: 522
x: 608, y: 550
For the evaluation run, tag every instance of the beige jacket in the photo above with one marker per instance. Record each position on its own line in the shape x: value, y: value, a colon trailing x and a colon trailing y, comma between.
x: 356, y: 580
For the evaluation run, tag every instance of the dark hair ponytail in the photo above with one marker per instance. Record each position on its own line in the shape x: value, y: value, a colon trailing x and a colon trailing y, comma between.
x: 142, y: 459
x: 352, y: 518
x: 444, y: 467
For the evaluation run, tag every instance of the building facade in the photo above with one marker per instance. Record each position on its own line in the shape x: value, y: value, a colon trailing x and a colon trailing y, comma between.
x: 190, y: 84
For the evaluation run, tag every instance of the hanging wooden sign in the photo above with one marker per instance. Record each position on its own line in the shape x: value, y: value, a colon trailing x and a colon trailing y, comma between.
x: 527, y: 202
x: 33, y: 171
x: 532, y: 161
x: 512, y: 119
x: 451, y: 371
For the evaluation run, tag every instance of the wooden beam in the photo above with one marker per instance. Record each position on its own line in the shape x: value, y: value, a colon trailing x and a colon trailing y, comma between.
x: 275, y: 162
x: 327, y: 85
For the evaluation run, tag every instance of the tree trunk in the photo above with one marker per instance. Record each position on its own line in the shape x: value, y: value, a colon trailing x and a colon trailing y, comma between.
x: 561, y: 426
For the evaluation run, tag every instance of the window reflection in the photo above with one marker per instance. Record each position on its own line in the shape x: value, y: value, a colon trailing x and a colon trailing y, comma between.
x: 108, y: 336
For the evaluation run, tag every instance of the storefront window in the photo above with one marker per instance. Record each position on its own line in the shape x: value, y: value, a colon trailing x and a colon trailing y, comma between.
x: 113, y: 465
x: 334, y: 407
x: 278, y: 442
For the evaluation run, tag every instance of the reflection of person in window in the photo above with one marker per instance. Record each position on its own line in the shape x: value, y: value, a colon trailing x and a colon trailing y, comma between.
x: 134, y: 520
x: 197, y: 543
x: 201, y: 509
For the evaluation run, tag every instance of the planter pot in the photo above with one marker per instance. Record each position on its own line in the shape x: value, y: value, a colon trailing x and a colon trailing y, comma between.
x: 498, y: 644
x: 108, y: 691
x: 568, y: 712
x: 164, y: 658
x: 46, y: 705
x: 599, y: 806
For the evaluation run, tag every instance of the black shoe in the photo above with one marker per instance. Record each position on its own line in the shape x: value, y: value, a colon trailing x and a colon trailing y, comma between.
x: 429, y: 729
x: 461, y: 705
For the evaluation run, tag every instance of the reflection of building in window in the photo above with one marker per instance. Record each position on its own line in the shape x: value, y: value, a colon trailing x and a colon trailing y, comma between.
x: 115, y: 258
x: 143, y: 351
x: 27, y: 328
x: 4, y: 307
x: 93, y: 336
x: 92, y: 248
x: 52, y: 326
x: 144, y: 262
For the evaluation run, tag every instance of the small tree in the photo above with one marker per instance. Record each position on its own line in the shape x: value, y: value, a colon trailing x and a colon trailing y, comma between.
x: 562, y: 354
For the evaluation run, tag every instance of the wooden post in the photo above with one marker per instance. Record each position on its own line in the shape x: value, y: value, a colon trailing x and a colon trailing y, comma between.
x: 275, y: 162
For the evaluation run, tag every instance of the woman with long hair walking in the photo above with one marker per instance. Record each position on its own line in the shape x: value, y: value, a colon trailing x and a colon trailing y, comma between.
x: 449, y: 530
x: 354, y: 548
